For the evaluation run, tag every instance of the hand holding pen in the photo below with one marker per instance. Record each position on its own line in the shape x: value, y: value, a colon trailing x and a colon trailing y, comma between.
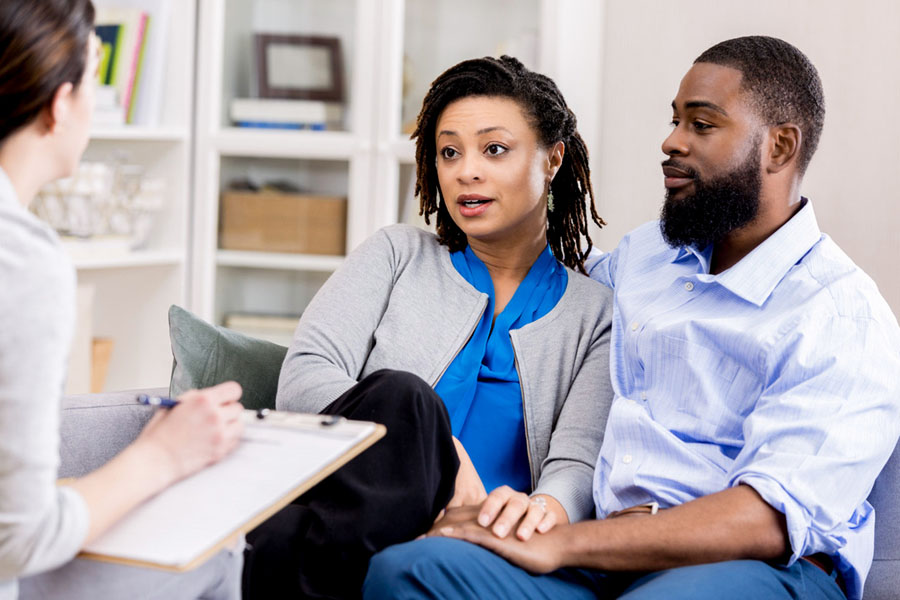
x: 160, y: 401
x: 197, y: 429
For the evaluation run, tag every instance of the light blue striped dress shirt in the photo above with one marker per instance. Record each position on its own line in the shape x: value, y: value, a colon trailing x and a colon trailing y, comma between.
x: 780, y: 372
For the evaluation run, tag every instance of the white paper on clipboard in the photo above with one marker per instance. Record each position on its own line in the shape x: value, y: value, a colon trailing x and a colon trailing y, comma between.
x: 278, y: 459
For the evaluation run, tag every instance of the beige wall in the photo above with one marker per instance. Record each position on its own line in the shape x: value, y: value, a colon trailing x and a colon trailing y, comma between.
x: 853, y: 179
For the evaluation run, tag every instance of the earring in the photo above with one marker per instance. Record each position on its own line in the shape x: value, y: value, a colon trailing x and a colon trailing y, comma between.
x: 550, y: 200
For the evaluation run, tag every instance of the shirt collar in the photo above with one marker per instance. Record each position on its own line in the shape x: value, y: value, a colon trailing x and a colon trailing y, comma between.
x: 756, y: 275
x: 7, y: 191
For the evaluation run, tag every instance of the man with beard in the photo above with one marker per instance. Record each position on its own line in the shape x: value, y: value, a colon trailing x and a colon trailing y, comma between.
x: 754, y: 367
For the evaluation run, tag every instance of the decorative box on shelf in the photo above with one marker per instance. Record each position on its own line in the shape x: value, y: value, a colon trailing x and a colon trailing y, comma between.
x: 269, y: 221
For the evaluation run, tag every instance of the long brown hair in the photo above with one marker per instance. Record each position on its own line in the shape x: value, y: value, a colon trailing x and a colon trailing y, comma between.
x: 43, y: 44
x: 553, y: 121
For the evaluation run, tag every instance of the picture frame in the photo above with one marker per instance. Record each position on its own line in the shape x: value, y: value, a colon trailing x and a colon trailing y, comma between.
x: 299, y: 67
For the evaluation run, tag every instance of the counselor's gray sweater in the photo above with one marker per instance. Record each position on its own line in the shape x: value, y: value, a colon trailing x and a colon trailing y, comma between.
x: 41, y: 525
x: 397, y: 302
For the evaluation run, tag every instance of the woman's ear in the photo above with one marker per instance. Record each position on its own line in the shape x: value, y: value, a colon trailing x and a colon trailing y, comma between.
x: 57, y: 114
x: 784, y: 146
x: 555, y: 158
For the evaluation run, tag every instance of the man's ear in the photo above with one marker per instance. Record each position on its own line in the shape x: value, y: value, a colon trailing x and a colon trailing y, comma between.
x: 555, y: 159
x: 784, y: 146
x: 57, y: 113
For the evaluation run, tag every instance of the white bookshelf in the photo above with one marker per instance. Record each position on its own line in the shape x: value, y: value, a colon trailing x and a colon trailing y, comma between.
x: 233, y: 141
x: 138, y: 133
x: 277, y: 260
x: 134, y: 288
x: 134, y: 259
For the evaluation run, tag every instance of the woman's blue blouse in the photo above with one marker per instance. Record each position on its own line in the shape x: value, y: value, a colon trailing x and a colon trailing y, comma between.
x: 481, y: 386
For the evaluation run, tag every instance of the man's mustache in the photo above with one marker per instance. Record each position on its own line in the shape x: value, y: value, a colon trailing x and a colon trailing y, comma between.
x: 688, y: 171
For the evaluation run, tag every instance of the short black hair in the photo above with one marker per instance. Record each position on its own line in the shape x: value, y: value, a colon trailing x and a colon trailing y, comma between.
x: 552, y: 120
x: 782, y: 81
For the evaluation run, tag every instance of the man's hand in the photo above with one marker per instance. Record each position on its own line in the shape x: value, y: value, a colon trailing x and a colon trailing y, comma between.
x: 733, y: 524
x: 469, y: 489
x: 542, y: 553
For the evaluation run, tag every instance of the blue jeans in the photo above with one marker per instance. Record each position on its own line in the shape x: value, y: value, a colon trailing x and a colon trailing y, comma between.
x: 447, y: 568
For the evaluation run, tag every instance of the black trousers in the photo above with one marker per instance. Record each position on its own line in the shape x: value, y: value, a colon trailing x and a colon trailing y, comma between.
x: 320, y: 545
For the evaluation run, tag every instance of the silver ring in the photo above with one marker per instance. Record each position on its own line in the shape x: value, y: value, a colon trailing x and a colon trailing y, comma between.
x: 540, y: 501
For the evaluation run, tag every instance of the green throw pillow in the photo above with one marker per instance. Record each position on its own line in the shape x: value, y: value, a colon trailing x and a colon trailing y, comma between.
x: 206, y: 355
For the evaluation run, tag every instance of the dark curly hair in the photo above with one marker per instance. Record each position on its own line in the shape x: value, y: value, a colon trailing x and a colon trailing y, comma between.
x: 782, y: 82
x: 546, y: 110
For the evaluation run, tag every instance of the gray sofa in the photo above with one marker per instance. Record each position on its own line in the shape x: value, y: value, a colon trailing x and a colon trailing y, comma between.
x: 95, y: 427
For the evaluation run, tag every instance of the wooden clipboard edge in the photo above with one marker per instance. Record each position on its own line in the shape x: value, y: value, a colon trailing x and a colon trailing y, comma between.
x: 253, y: 522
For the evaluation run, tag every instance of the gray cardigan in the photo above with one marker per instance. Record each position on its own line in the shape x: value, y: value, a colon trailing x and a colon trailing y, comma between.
x: 397, y: 302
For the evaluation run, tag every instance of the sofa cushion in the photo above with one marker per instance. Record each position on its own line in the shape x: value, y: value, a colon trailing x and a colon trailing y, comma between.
x: 206, y: 355
x: 883, y: 581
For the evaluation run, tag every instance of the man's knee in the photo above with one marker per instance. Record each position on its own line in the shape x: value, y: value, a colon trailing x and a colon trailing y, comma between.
x: 405, y: 570
x: 738, y: 579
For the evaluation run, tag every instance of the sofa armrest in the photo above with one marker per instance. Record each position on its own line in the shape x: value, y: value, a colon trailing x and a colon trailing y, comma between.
x: 96, y: 427
x: 884, y: 578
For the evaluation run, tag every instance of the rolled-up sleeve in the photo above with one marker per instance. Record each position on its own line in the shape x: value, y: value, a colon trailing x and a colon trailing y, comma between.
x: 823, y: 428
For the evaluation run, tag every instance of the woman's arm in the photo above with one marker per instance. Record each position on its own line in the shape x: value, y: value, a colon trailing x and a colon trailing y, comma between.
x: 468, y: 489
x: 42, y: 525
x: 568, y: 469
x: 336, y: 332
x: 563, y: 492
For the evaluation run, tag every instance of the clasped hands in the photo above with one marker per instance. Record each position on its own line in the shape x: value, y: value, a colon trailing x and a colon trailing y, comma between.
x: 489, y: 525
x: 489, y: 519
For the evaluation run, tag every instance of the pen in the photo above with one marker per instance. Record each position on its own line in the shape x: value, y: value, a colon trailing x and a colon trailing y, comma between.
x: 161, y: 401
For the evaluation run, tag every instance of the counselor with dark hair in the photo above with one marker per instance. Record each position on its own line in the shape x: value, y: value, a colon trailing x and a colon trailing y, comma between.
x: 484, y: 348
x: 755, y: 376
x: 49, y: 58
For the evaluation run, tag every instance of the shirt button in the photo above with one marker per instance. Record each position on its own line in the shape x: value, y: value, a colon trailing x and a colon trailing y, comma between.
x: 634, y: 326
x: 643, y: 395
x: 626, y: 459
x: 689, y: 286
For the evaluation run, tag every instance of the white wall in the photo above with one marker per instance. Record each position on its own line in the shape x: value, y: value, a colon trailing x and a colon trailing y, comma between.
x: 853, y: 179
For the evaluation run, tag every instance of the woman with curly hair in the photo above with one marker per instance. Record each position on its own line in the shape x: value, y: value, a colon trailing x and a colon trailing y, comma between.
x: 483, y: 347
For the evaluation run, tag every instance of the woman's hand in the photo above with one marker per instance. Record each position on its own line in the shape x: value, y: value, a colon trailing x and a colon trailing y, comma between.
x: 506, y: 508
x: 203, y: 428
x: 469, y: 489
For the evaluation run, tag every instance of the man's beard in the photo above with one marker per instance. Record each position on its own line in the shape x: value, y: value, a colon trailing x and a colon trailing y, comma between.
x: 716, y: 208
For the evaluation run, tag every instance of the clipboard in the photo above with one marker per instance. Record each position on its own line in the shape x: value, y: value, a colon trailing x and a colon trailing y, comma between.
x: 281, y: 456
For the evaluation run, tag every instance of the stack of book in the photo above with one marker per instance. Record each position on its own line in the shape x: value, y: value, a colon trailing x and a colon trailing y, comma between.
x: 268, y: 113
x: 122, y: 32
x: 132, y: 73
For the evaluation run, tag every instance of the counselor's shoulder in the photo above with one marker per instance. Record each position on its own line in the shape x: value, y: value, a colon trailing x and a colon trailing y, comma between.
x: 38, y: 297
x: 33, y: 263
